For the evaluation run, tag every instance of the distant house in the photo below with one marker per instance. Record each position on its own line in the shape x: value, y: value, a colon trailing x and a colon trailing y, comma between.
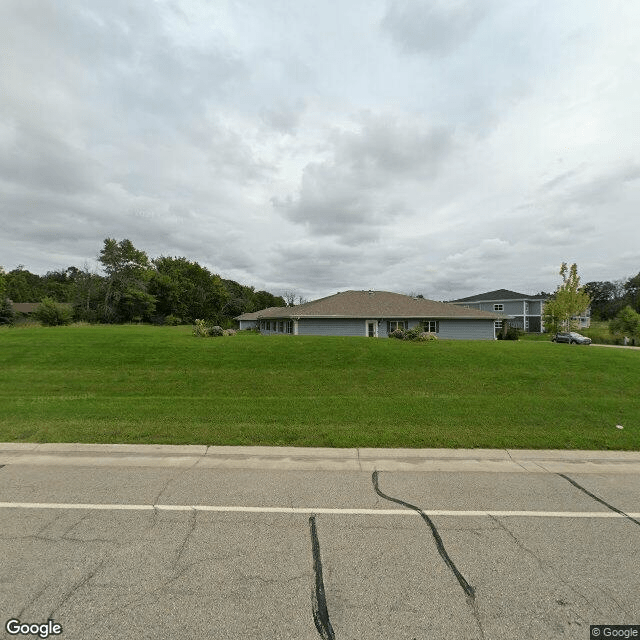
x: 374, y: 314
x: 521, y: 310
x: 24, y: 307
x: 28, y: 308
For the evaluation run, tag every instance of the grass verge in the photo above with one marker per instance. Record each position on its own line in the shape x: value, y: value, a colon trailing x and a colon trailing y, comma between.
x: 141, y: 384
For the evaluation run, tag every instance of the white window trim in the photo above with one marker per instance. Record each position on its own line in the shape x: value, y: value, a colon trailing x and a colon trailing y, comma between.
x: 436, y: 322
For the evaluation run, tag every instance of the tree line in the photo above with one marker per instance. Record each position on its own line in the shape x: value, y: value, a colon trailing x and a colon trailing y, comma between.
x: 135, y: 288
x: 605, y: 299
x: 609, y: 298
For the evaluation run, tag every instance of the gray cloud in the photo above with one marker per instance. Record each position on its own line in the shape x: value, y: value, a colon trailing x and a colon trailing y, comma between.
x: 432, y: 147
x: 437, y: 27
x: 37, y: 160
x: 358, y: 189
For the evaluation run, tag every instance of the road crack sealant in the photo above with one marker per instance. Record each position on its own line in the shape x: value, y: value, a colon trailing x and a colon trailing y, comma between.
x: 318, y: 596
x: 600, y: 500
x: 466, y: 587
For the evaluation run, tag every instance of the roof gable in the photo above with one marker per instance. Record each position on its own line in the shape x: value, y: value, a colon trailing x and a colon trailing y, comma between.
x: 498, y: 294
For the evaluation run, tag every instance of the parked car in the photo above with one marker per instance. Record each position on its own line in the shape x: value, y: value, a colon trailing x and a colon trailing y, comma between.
x: 571, y: 337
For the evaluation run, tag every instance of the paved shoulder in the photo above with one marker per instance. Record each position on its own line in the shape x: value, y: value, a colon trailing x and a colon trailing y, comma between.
x: 321, y: 459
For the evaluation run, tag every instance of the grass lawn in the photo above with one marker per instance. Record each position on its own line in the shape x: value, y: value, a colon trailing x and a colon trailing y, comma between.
x: 142, y: 384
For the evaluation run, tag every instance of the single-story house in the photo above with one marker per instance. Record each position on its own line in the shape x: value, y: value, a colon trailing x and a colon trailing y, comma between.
x: 375, y: 314
x: 24, y: 307
x: 27, y: 308
x: 250, y: 320
x: 521, y: 310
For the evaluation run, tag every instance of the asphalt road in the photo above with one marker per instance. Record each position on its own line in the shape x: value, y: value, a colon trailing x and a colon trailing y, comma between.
x: 190, y: 542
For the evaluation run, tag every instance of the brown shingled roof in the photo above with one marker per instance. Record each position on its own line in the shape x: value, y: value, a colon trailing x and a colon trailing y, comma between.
x: 372, y: 304
x: 253, y: 315
x: 30, y: 307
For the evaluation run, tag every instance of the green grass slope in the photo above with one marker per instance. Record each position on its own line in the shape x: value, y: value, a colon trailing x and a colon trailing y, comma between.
x: 141, y: 384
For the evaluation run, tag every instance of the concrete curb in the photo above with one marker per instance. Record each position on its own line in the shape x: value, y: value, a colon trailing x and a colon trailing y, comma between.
x: 615, y: 346
x: 320, y: 459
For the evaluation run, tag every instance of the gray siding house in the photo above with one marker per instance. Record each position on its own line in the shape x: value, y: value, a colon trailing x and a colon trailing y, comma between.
x: 250, y: 320
x: 374, y: 314
x: 521, y: 310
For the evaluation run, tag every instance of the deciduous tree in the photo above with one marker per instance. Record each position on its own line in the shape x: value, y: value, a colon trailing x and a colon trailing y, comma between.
x: 7, y: 314
x: 632, y: 292
x: 626, y: 323
x: 24, y: 286
x: 569, y: 300
x: 128, y: 273
x: 186, y: 290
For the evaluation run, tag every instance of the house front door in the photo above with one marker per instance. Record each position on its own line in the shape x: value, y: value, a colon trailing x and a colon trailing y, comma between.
x: 372, y: 328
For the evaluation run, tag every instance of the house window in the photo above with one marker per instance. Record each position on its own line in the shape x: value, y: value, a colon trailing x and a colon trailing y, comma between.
x: 392, y: 325
x: 281, y: 326
x: 431, y: 326
x: 497, y: 326
x: 289, y: 326
x: 498, y: 307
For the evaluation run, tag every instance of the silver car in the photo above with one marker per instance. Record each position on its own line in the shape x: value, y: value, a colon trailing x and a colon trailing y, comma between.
x: 571, y: 337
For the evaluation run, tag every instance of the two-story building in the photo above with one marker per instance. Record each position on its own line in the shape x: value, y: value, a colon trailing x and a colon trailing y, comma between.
x: 521, y: 310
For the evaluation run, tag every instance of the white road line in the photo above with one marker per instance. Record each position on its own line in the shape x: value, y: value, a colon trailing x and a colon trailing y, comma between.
x: 312, y: 510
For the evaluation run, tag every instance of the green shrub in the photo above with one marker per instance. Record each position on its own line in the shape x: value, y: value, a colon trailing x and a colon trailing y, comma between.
x: 508, y: 332
x: 200, y: 329
x: 7, y: 314
x: 599, y: 334
x: 203, y: 330
x: 626, y: 324
x: 413, y: 334
x: 416, y: 333
x: 52, y: 314
x: 172, y: 321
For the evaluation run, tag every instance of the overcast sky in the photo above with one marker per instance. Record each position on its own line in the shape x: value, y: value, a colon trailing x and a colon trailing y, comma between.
x: 441, y: 147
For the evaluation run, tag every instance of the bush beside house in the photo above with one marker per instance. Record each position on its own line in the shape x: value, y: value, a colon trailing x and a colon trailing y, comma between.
x: 52, y: 314
x: 202, y: 330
